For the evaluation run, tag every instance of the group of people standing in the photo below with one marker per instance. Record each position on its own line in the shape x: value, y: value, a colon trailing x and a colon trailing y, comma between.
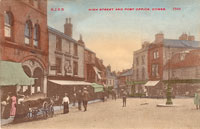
x: 81, y: 96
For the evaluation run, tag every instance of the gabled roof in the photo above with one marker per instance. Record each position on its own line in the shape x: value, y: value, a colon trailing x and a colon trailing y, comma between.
x: 181, y: 43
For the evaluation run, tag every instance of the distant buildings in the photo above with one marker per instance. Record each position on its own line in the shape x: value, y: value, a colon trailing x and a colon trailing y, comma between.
x: 111, y: 78
x: 124, y: 80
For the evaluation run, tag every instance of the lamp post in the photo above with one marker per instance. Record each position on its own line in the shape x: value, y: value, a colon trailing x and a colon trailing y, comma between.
x: 169, y: 88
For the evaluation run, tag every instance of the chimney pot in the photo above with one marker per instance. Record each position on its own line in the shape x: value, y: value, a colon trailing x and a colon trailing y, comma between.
x: 67, y: 20
x: 159, y: 38
x: 68, y: 27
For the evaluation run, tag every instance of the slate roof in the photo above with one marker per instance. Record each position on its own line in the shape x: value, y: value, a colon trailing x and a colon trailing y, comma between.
x: 181, y: 43
x: 61, y: 34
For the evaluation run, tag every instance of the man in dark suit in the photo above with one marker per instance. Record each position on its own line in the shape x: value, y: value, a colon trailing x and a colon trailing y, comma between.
x: 85, y: 98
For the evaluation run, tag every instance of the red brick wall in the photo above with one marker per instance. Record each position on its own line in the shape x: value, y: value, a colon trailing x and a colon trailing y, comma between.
x: 159, y: 61
x: 16, y: 50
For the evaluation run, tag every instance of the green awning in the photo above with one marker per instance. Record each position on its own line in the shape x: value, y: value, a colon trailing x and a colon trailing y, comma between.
x: 12, y: 73
x: 97, y: 87
x: 135, y: 82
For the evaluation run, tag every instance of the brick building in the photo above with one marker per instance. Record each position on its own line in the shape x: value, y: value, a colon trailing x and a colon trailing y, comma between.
x: 89, y: 66
x: 100, y: 71
x: 159, y: 53
x: 124, y: 79
x: 184, y: 68
x: 24, y: 38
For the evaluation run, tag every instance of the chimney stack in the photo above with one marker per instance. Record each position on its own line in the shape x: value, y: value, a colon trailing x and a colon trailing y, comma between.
x: 145, y: 44
x: 191, y: 38
x: 159, y: 38
x: 81, y: 40
x: 68, y: 27
x: 184, y: 36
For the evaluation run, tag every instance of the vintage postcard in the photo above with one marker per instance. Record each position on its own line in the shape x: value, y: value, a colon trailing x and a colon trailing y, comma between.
x: 99, y: 64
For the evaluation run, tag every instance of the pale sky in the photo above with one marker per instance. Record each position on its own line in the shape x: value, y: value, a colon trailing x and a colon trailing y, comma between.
x: 114, y: 35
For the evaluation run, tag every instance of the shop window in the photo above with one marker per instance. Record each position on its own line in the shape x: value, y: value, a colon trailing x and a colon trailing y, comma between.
x: 27, y: 32
x: 8, y: 24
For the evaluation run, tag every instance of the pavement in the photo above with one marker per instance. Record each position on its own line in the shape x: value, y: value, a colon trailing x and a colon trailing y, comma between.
x: 57, y: 109
x: 138, y: 114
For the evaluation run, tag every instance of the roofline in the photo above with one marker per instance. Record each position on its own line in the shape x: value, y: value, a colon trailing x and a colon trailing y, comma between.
x: 57, y: 32
x: 89, y: 50
x: 183, y: 40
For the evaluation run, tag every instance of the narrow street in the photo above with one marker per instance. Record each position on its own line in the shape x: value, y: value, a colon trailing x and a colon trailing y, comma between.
x: 139, y: 114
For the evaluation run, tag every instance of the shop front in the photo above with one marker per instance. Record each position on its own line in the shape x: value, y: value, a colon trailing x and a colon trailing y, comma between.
x: 12, y: 79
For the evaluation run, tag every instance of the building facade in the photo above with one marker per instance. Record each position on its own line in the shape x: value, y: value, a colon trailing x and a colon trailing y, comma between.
x: 24, y: 39
x: 184, y: 67
x: 140, y: 66
x: 89, y: 64
x: 124, y: 79
x: 66, y: 61
x: 160, y: 52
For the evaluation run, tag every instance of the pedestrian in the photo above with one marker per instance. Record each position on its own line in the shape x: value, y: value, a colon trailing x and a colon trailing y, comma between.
x: 103, y: 96
x: 13, y: 105
x: 21, y: 109
x: 6, y: 113
x: 197, y: 99
x: 124, y: 95
x: 79, y: 99
x: 113, y: 94
x: 74, y: 98
x: 85, y: 98
x: 65, y: 103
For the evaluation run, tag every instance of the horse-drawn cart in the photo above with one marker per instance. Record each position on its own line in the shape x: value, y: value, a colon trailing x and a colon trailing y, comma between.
x: 36, y: 108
